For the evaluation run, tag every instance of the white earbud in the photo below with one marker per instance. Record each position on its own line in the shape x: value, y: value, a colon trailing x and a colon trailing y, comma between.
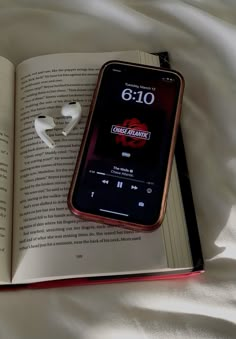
x: 43, y: 123
x: 72, y: 109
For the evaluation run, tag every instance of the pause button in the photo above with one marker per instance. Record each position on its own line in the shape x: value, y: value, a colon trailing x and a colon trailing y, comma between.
x: 119, y: 184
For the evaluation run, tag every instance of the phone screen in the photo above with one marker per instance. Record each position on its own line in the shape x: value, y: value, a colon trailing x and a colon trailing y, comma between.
x: 123, y: 166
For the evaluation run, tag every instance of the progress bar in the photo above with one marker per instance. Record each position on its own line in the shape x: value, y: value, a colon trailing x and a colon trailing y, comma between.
x: 113, y: 212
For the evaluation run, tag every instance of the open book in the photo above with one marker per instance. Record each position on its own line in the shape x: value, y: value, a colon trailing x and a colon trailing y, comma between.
x: 40, y: 240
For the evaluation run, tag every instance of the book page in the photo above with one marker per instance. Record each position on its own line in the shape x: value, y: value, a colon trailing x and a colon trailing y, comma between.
x: 49, y: 242
x: 7, y: 76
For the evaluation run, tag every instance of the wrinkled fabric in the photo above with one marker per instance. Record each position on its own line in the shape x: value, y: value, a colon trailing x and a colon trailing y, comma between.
x: 201, y: 39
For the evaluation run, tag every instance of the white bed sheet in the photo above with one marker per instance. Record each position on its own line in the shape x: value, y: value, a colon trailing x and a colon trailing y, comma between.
x: 201, y: 38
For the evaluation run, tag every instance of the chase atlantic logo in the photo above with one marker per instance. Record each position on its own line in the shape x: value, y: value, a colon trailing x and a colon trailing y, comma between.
x: 131, y: 133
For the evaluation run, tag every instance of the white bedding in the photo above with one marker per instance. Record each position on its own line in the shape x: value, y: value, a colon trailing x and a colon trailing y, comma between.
x: 201, y: 38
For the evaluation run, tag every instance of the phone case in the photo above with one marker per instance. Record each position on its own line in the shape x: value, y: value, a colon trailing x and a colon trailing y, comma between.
x: 109, y: 220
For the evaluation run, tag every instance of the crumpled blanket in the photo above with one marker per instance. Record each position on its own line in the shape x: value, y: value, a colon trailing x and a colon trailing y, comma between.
x: 201, y: 39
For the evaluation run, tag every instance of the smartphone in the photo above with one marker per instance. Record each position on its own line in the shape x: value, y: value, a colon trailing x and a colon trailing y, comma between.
x: 124, y: 165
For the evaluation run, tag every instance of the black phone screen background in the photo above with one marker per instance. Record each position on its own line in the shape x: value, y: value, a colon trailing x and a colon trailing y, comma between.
x: 125, y: 156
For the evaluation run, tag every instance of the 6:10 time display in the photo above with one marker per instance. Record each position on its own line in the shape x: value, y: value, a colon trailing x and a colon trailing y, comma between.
x: 140, y: 97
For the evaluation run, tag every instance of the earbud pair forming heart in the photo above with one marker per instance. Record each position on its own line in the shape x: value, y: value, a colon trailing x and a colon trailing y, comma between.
x: 44, y: 122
